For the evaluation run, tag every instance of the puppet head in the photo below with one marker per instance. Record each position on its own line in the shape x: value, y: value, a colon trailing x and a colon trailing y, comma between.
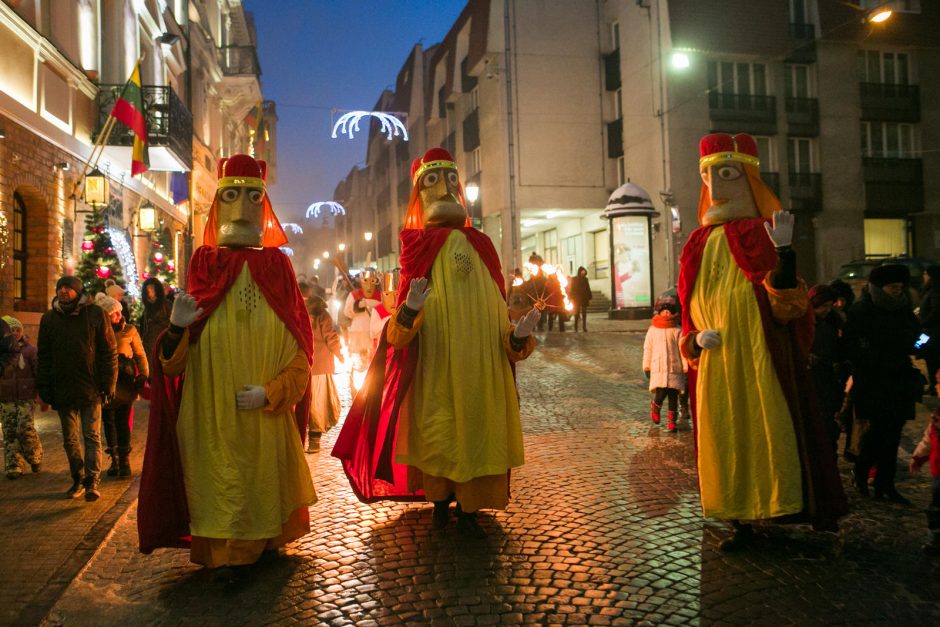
x: 436, y: 194
x: 369, y: 282
x: 731, y: 185
x: 390, y: 289
x: 241, y: 215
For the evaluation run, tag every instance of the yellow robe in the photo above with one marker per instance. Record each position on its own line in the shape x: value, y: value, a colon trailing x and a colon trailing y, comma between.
x: 460, y: 430
x: 247, y: 481
x: 748, y: 461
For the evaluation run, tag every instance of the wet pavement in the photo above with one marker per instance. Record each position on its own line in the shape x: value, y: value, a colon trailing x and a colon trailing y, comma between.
x: 604, y: 527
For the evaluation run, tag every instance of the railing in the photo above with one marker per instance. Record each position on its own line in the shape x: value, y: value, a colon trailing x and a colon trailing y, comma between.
x: 893, y: 186
x: 889, y: 102
x: 743, y: 112
x: 612, y: 70
x: 239, y: 61
x: 615, y: 138
x: 169, y: 122
x: 803, y: 116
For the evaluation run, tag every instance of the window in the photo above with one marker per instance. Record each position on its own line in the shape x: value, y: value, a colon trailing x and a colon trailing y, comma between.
x: 876, y: 66
x: 475, y: 164
x: 737, y: 78
x: 19, y: 247
x: 765, y: 151
x: 886, y: 237
x: 474, y: 101
x: 798, y: 12
x: 888, y: 140
x: 801, y: 154
x: 615, y: 36
x: 550, y: 238
x: 601, y: 255
x: 618, y: 104
x: 903, y: 6
x: 571, y: 247
x: 798, y: 84
x: 621, y: 174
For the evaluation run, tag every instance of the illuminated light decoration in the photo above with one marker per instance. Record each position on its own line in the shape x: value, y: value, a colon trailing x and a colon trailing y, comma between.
x: 126, y: 258
x: 287, y: 250
x: 326, y: 254
x: 335, y: 208
x: 880, y: 15
x: 145, y: 275
x: 348, y: 123
x: 158, y: 257
x: 294, y: 227
x: 341, y: 247
x: 88, y: 245
x: 171, y: 266
x: 680, y: 60
x: 316, y: 264
x: 104, y: 272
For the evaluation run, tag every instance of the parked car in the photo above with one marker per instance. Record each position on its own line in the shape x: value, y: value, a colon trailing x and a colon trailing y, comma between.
x: 855, y: 273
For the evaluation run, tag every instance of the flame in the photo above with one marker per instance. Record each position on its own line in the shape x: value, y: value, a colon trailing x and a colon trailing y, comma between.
x: 353, y: 366
x: 516, y: 282
x: 548, y: 269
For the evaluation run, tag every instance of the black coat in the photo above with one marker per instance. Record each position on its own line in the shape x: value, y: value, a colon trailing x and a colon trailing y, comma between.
x: 580, y: 290
x: 930, y: 311
x: 77, y: 356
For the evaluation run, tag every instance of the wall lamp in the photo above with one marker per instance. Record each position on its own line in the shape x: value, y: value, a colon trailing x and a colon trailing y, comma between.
x: 64, y: 166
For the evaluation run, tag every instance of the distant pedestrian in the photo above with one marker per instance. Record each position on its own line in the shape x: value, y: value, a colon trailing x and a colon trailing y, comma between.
x: 156, y: 315
x: 929, y: 316
x: 556, y: 303
x: 77, y: 371
x: 580, y: 295
x: 928, y: 449
x: 18, y: 363
x: 824, y: 357
x: 324, y: 396
x: 133, y: 372
x: 879, y: 337
x: 315, y: 288
x: 115, y: 291
x: 663, y: 364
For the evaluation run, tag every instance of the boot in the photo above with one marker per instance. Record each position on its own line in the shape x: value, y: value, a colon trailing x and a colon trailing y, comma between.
x: 313, y: 442
x: 77, y: 490
x: 671, y: 421
x: 684, y: 407
x: 742, y: 538
x: 113, y: 470
x: 441, y: 514
x: 468, y: 525
x: 654, y: 412
x: 124, y: 464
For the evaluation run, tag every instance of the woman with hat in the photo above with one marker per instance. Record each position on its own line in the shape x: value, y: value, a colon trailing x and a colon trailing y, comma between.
x: 879, y: 334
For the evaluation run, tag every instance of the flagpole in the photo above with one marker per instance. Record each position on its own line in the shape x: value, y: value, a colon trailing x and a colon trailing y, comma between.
x: 105, y: 133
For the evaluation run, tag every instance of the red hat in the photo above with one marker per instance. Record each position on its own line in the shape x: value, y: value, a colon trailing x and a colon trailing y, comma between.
x: 245, y: 171
x: 724, y: 147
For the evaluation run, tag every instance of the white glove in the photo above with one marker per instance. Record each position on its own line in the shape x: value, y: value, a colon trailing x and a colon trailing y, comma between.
x: 417, y: 293
x: 708, y: 339
x: 185, y: 311
x: 781, y: 233
x: 527, y: 324
x: 251, y: 397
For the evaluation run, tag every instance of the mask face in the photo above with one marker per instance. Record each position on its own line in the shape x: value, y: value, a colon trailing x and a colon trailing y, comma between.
x: 369, y: 284
x: 388, y: 300
x: 240, y: 211
x: 439, y: 189
x: 729, y: 193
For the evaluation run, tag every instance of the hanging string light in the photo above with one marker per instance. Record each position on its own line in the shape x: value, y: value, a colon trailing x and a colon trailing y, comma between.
x: 126, y: 258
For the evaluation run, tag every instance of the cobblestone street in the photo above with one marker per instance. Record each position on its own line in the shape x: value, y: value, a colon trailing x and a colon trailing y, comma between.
x: 604, y: 527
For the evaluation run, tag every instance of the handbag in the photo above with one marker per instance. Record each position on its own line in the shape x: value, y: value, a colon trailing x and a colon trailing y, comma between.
x: 125, y: 392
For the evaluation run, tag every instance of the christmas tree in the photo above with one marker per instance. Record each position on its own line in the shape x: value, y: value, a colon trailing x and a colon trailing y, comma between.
x: 99, y: 259
x: 160, y: 263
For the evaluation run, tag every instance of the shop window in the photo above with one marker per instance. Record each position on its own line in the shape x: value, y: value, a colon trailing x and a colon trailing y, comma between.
x: 19, y: 247
x: 886, y: 237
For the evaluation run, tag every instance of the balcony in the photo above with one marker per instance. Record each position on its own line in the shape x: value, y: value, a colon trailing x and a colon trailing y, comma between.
x: 893, y: 186
x: 805, y: 192
x: 240, y: 88
x: 737, y: 113
x: 772, y: 180
x: 802, y: 43
x: 890, y: 103
x: 615, y: 138
x: 169, y: 129
x: 471, y: 130
x: 612, y: 70
x: 803, y: 116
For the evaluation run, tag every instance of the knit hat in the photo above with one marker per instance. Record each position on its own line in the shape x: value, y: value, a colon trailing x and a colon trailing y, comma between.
x: 113, y: 290
x: 889, y: 273
x: 107, y: 303
x: 12, y: 322
x: 668, y: 302
x: 71, y: 281
x: 843, y: 291
x: 819, y: 295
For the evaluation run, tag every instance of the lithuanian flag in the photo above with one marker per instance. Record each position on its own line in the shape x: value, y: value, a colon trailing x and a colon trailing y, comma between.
x: 129, y: 109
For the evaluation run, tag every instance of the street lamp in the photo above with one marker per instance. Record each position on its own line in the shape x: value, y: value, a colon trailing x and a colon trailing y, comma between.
x: 368, y: 236
x: 326, y: 254
x: 96, y: 188
x: 147, y: 218
x: 341, y: 247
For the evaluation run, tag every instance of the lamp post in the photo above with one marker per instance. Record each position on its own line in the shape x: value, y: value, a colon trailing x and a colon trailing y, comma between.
x: 472, y: 192
x: 96, y: 189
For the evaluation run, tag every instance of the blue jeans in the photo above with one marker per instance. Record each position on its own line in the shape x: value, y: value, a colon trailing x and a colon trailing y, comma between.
x: 82, y: 426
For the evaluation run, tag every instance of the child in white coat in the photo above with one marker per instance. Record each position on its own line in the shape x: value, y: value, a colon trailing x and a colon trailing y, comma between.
x: 663, y: 364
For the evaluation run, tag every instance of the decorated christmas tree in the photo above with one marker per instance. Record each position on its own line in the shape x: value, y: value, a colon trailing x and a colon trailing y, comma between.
x: 160, y: 261
x: 99, y: 260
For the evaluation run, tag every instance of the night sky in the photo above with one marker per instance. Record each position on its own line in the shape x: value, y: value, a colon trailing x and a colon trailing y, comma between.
x: 317, y: 55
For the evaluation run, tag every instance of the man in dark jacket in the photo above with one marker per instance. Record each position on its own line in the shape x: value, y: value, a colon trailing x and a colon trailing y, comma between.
x: 77, y: 372
x: 930, y: 323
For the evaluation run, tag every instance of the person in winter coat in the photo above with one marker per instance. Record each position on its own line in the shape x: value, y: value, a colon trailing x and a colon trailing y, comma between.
x: 556, y: 303
x: 18, y: 363
x: 663, y: 364
x: 580, y: 295
x: 133, y: 371
x: 929, y: 315
x: 324, y: 397
x: 879, y: 336
x: 929, y: 449
x: 825, y: 356
x: 77, y: 371
x: 156, y: 315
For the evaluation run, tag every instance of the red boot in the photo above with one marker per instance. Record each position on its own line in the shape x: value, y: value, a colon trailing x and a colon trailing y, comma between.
x: 671, y: 421
x: 654, y: 412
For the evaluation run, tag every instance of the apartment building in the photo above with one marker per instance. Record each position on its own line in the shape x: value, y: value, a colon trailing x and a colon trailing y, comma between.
x: 63, y: 65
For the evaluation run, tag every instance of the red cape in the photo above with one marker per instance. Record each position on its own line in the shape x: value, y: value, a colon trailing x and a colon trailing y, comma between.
x: 366, y: 443
x: 162, y: 511
x: 788, y: 345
